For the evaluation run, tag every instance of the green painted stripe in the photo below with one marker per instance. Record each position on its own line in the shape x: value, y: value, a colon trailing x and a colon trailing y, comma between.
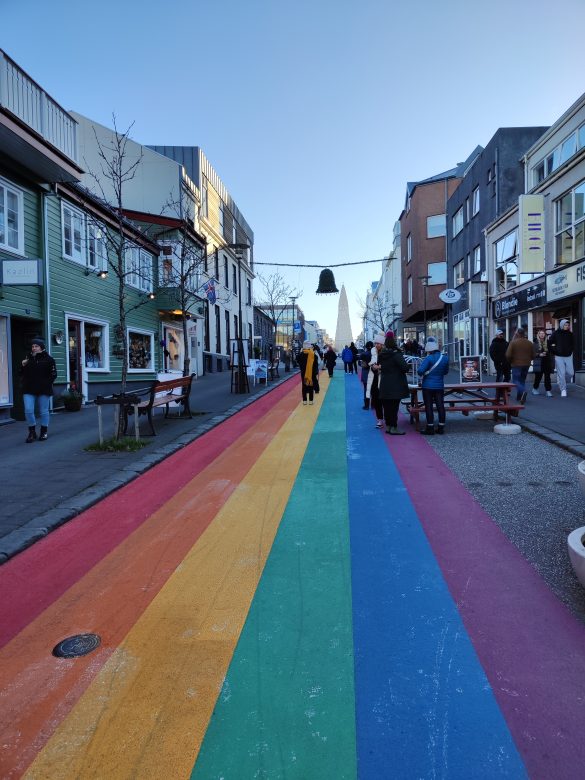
x: 287, y: 707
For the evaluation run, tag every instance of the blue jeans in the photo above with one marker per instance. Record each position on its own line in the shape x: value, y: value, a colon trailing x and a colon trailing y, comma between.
x: 29, y: 409
x: 519, y: 374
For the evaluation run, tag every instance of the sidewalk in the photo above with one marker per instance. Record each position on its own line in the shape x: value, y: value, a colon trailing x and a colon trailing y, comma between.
x: 45, y: 484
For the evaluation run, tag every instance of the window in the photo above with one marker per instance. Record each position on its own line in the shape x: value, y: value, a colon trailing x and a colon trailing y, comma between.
x: 216, y: 265
x: 228, y: 334
x: 458, y: 222
x: 437, y: 273
x: 466, y: 210
x: 568, y: 148
x: 235, y: 279
x: 570, y: 226
x: 468, y: 265
x: 11, y: 218
x: 73, y: 222
x: 97, y: 248
x: 408, y: 248
x: 248, y: 292
x: 409, y: 288
x: 95, y: 346
x: 204, y: 201
x: 217, y: 331
x: 477, y: 259
x: 507, y: 247
x: 140, y: 350
x: 563, y: 152
x: 475, y: 196
x: 459, y: 273
x: 236, y: 331
x: 436, y: 226
x: 138, y: 268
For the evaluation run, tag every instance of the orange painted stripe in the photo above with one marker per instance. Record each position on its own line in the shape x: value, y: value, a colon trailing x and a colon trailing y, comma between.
x: 40, y: 690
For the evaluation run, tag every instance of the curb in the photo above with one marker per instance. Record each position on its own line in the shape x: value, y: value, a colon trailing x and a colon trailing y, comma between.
x: 25, y: 536
x: 564, y: 442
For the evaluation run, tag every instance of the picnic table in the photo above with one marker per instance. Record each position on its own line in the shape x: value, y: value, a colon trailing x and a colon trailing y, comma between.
x: 468, y: 397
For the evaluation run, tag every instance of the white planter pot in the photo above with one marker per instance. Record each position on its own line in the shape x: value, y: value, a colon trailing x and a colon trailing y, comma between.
x: 577, y: 553
x: 581, y: 472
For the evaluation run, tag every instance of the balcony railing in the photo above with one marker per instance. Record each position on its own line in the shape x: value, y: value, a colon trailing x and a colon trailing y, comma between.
x: 20, y: 95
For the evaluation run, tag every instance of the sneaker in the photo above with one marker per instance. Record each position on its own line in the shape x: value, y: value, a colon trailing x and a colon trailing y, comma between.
x: 304, y: 403
x: 563, y: 393
x: 396, y: 432
x: 549, y: 394
x: 536, y: 392
x: 310, y: 403
x: 380, y: 424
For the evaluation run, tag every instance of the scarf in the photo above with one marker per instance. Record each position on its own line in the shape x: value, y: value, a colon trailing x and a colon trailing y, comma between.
x: 308, y: 378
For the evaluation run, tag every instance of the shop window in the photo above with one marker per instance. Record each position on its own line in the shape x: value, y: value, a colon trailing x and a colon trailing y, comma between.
x: 95, y: 343
x: 570, y: 226
x: 140, y: 350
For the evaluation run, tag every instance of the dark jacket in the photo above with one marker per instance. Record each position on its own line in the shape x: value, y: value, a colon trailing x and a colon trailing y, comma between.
x: 498, y: 349
x: 365, y: 360
x: 562, y: 343
x: 435, y: 379
x: 393, y: 371
x: 330, y: 358
x: 39, y: 374
x: 547, y: 361
x: 520, y: 352
x: 302, y: 364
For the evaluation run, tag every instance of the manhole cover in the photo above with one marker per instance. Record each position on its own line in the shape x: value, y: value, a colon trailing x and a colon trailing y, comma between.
x: 74, y: 646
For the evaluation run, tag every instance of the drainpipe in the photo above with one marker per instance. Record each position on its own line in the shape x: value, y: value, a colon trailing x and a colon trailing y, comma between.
x: 47, y: 285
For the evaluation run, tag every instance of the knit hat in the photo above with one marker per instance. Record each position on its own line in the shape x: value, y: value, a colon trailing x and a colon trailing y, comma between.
x: 389, y: 334
x: 431, y: 344
x: 499, y: 332
x: 307, y: 345
x: 379, y: 338
x: 39, y: 342
x: 563, y: 323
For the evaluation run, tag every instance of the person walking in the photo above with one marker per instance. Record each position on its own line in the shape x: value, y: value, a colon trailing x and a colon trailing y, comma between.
x: 38, y: 372
x: 498, y: 349
x: 365, y: 360
x: 354, y: 352
x: 330, y: 359
x: 393, y: 383
x: 542, y: 364
x: 433, y: 369
x: 347, y: 357
x: 519, y: 354
x: 309, y: 364
x: 562, y: 345
x: 373, y: 383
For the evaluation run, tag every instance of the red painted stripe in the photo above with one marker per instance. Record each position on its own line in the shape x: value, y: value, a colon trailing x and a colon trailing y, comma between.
x: 529, y: 644
x: 42, y: 573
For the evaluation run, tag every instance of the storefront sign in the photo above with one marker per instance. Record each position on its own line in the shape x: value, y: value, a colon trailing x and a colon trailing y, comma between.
x: 470, y: 369
x: 531, y: 234
x: 20, y: 272
x: 565, y: 281
x: 450, y: 296
x: 522, y: 300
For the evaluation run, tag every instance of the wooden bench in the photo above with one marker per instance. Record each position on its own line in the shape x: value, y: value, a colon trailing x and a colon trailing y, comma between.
x: 469, y: 397
x: 273, y: 369
x: 161, y: 393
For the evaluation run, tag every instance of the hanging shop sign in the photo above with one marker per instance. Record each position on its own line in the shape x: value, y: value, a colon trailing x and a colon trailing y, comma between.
x: 565, y: 281
x: 522, y: 300
x: 450, y: 296
x: 20, y: 272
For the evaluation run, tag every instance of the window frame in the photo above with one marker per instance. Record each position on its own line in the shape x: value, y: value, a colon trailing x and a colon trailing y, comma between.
x: 442, y: 226
x: 144, y: 277
x: 19, y: 194
x: 457, y: 220
x: 409, y: 247
x: 409, y: 289
x: 475, y: 201
x: 141, y: 332
x: 81, y: 259
x: 476, y: 259
x: 574, y: 227
x: 102, y: 241
x: 461, y: 276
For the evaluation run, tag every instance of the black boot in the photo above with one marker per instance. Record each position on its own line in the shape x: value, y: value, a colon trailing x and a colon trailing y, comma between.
x: 366, y: 404
x: 428, y: 431
x: 441, y: 428
x: 32, y: 434
x: 43, y: 436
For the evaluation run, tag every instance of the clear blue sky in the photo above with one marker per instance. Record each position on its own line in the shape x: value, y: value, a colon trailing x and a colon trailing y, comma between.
x: 315, y: 113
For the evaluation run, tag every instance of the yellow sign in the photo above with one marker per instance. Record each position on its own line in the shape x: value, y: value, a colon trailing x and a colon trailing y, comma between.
x: 531, y: 208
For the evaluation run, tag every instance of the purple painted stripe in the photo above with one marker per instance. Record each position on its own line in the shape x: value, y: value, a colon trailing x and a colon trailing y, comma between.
x: 531, y: 647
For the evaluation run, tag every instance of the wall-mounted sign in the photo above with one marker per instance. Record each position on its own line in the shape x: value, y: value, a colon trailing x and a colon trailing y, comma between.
x: 450, y: 296
x: 522, y: 300
x: 470, y: 369
x: 531, y: 234
x: 565, y: 281
x: 20, y: 272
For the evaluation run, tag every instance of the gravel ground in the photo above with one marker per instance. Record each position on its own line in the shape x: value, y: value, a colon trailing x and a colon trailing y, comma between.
x: 529, y: 487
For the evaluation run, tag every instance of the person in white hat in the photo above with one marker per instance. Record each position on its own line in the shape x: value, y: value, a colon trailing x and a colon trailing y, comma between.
x: 372, y: 386
x: 562, y: 345
x: 433, y: 370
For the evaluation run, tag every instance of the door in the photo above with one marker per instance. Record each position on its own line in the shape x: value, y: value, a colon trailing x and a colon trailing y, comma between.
x: 74, y: 355
x: 22, y: 332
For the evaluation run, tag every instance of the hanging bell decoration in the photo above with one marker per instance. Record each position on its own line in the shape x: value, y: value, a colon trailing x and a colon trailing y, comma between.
x: 326, y: 283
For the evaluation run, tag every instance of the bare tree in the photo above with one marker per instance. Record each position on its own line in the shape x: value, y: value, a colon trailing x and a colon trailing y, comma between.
x: 274, y: 298
x: 376, y: 314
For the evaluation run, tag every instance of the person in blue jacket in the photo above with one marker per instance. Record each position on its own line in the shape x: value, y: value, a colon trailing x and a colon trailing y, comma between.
x: 432, y: 370
x: 347, y: 357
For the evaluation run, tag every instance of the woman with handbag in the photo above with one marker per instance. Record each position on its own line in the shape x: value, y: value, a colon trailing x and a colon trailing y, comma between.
x: 543, y: 364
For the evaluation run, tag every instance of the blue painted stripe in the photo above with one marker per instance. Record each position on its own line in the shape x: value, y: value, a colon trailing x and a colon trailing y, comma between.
x: 424, y: 707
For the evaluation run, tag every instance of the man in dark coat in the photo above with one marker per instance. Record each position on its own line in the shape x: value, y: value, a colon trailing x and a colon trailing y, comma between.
x: 562, y: 345
x: 38, y: 372
x: 329, y: 360
x: 498, y: 349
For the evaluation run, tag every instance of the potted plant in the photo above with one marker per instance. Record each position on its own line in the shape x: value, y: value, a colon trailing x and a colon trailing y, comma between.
x: 72, y: 398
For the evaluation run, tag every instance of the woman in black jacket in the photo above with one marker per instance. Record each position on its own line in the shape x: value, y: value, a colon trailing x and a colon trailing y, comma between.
x: 393, y: 384
x: 38, y: 373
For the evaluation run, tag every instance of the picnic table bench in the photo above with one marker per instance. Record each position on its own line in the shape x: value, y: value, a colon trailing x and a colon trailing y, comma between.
x: 160, y: 393
x: 469, y: 397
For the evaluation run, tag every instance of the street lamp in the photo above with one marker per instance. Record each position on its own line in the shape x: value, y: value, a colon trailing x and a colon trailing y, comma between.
x: 241, y: 385
x: 425, y: 280
x: 293, y: 298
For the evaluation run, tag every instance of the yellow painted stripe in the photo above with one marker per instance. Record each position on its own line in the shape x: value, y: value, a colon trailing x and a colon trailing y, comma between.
x: 146, y: 713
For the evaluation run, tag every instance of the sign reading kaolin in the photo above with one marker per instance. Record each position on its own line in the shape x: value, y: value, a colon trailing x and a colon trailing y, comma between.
x: 20, y: 272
